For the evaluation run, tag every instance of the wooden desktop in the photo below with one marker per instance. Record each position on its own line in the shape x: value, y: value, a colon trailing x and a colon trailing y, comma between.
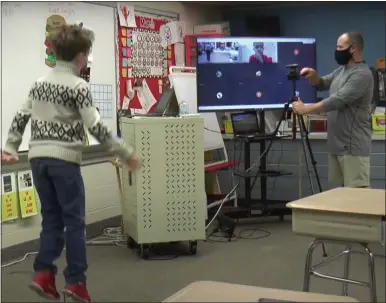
x: 208, y: 291
x: 349, y: 216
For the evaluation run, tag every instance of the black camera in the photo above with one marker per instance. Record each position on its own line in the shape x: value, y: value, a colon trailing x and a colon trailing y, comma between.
x: 293, y: 73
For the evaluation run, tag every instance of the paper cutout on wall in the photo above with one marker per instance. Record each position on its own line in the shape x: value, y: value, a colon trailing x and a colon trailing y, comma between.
x: 172, y: 33
x: 145, y: 96
x: 27, y: 197
x: 9, y: 201
x: 124, y: 72
x: 53, y: 22
x: 126, y: 15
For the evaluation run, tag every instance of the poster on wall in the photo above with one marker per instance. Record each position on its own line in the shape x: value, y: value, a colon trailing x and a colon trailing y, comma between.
x: 27, y: 197
x: 126, y: 15
x: 53, y: 22
x: 9, y: 200
x: 143, y: 63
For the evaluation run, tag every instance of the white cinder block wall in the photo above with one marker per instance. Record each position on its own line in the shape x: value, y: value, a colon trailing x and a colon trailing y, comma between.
x: 102, y: 197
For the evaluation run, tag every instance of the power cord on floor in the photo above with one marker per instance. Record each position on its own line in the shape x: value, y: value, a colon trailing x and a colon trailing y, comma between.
x: 223, y: 237
x: 221, y: 205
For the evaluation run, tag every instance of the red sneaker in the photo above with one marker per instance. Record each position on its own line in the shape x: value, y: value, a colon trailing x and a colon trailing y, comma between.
x: 44, y: 284
x: 78, y: 292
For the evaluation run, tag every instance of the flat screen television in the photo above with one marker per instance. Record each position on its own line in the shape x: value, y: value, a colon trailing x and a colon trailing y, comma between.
x: 250, y: 73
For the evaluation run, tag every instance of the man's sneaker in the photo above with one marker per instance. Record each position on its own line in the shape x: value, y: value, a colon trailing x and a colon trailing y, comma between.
x: 44, y: 284
x: 78, y: 292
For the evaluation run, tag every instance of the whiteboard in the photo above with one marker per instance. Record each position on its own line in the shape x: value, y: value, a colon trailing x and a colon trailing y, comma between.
x: 184, y: 85
x: 23, y: 55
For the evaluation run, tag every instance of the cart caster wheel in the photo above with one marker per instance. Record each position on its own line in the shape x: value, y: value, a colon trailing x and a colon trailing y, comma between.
x: 131, y: 243
x: 193, y: 247
x: 144, y: 252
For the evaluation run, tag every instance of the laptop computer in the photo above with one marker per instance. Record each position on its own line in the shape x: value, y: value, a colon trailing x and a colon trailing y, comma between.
x: 245, y: 124
x: 164, y: 103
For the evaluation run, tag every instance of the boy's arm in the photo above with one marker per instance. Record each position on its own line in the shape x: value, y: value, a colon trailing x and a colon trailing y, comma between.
x: 18, y: 125
x: 95, y: 126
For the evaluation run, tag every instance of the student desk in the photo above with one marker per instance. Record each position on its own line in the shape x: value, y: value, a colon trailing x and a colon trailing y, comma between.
x: 342, y: 215
x: 207, y: 291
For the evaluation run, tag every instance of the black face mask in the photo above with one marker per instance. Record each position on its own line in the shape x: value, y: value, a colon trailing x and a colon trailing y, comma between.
x: 342, y: 57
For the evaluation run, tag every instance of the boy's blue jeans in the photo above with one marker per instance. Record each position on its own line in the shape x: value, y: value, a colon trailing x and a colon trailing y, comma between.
x: 60, y: 187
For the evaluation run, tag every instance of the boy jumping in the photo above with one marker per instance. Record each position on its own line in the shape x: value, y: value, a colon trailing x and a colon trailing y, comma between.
x: 60, y: 107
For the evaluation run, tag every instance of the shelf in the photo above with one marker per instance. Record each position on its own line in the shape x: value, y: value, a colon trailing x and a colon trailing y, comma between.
x: 256, y: 209
x: 263, y: 173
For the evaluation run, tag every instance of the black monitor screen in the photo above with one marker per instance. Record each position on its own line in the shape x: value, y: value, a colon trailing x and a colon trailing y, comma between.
x: 250, y: 73
x: 245, y: 123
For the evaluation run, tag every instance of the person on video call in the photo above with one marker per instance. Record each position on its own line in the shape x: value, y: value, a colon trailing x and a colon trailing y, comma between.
x: 208, y: 51
x: 258, y: 56
x: 348, y: 112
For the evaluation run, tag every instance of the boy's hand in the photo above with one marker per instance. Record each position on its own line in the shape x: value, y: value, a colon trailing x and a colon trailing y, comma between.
x: 5, y: 157
x: 134, y: 163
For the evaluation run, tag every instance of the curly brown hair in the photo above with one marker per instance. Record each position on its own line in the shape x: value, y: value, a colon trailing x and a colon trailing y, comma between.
x: 70, y: 40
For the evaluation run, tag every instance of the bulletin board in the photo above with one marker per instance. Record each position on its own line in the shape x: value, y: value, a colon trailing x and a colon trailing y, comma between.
x: 142, y: 62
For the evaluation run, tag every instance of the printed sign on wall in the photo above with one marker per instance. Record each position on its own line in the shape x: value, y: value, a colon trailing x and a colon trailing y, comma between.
x: 27, y: 197
x: 9, y: 207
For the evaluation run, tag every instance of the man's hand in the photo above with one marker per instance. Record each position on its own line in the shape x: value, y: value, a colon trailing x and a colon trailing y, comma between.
x: 134, y: 163
x: 299, y: 108
x: 7, y: 158
x: 310, y: 74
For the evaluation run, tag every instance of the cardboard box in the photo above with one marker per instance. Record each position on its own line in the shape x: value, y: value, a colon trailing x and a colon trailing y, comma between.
x: 219, y: 29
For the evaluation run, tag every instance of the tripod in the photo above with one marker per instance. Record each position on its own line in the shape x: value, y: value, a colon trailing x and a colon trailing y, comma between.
x: 309, y: 158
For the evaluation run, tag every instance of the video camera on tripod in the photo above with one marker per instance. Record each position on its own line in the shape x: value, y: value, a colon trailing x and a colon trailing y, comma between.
x: 293, y: 74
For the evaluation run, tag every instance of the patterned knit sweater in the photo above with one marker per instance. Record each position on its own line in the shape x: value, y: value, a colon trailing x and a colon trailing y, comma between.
x: 60, y: 108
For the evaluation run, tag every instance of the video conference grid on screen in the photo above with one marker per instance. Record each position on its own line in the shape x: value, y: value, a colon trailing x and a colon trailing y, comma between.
x: 251, y: 73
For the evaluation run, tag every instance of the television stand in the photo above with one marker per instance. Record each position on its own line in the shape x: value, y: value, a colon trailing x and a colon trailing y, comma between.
x: 249, y: 207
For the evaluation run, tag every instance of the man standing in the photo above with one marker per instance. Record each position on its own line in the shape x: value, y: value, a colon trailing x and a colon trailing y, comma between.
x: 348, y: 111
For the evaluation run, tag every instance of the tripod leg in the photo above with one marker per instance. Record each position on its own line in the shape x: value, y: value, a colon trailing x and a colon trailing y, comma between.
x: 313, y: 162
x: 303, y: 137
x: 324, y: 251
